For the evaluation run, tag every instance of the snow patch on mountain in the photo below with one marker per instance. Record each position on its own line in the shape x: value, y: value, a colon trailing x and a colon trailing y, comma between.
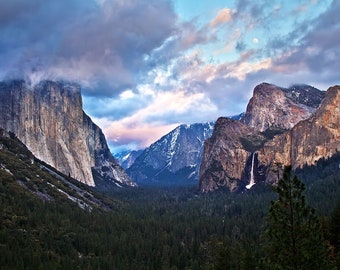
x: 174, y: 157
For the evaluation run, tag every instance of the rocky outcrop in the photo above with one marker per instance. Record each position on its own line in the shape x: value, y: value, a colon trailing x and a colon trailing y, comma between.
x: 48, y: 118
x: 287, y: 126
x: 275, y: 107
x: 173, y: 159
x: 224, y: 157
x: 309, y: 140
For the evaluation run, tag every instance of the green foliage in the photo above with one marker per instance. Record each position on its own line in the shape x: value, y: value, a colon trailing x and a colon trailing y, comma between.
x: 320, y: 179
x: 295, y: 239
x: 152, y: 229
x: 334, y: 230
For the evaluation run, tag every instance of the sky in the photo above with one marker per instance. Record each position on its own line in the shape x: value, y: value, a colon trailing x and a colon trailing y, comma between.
x: 147, y: 66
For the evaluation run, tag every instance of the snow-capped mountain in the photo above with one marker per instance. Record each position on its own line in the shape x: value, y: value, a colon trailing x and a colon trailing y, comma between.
x: 127, y: 158
x: 173, y: 159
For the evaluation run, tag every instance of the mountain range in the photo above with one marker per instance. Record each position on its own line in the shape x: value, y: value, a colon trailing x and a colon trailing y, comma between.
x: 173, y: 159
x: 281, y: 126
x: 294, y: 126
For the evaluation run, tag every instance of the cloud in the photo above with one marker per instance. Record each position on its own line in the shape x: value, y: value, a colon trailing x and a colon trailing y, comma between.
x: 143, y: 72
x: 241, y: 70
x: 185, y: 39
x: 164, y: 112
x: 196, y: 89
x: 316, y: 52
x: 99, y: 44
x: 240, y: 46
x: 120, y: 137
x: 223, y: 16
x: 304, y: 7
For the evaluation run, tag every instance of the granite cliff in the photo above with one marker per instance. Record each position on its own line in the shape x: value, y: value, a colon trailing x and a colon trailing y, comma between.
x: 276, y: 107
x: 294, y: 126
x: 309, y: 140
x: 224, y: 156
x: 48, y: 118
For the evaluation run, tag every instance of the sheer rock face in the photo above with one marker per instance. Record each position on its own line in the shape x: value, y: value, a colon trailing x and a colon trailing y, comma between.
x: 309, y: 140
x: 224, y: 157
x: 48, y: 118
x: 275, y: 107
x: 309, y: 131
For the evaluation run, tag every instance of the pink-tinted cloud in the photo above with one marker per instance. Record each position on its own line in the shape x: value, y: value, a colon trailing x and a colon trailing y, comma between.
x: 142, y: 135
x: 223, y: 16
x: 148, y: 124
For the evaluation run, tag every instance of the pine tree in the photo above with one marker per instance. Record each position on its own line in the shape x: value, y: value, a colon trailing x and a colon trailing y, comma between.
x: 294, y: 235
x: 335, y: 232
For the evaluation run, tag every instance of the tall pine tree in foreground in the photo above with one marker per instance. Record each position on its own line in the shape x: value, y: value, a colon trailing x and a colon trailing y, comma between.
x: 334, y: 229
x: 294, y: 235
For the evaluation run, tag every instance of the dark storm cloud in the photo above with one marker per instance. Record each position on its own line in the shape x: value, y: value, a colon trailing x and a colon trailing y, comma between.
x: 100, y: 44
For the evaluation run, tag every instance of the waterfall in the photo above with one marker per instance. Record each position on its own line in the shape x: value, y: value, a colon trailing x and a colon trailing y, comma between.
x: 252, y: 181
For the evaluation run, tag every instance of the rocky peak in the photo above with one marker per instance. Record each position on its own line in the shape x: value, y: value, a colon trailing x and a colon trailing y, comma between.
x: 276, y: 107
x: 305, y: 94
x: 309, y: 140
x: 48, y: 118
x: 177, y: 155
x: 127, y: 158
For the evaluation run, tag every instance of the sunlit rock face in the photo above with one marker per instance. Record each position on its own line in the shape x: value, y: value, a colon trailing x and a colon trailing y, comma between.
x: 48, y: 118
x: 224, y: 156
x: 275, y: 107
x: 309, y: 140
x: 294, y: 126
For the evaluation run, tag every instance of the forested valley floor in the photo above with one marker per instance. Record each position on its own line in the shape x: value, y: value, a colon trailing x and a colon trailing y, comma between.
x: 152, y: 228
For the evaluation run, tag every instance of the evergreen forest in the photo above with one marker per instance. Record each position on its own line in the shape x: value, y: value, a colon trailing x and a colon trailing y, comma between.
x: 150, y: 228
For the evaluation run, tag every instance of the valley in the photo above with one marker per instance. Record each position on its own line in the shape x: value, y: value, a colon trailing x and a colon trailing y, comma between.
x: 139, y: 228
x: 198, y: 198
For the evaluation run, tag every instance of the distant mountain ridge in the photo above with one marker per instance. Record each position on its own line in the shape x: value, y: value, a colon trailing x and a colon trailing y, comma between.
x: 127, y: 158
x: 173, y: 159
x: 185, y: 173
x: 48, y: 118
